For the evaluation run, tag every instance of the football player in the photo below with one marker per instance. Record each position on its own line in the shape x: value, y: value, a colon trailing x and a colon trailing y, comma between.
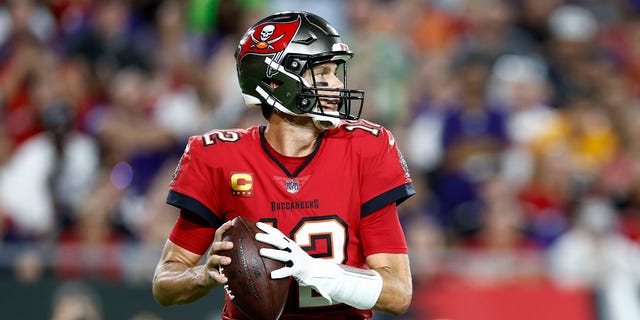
x: 323, y: 184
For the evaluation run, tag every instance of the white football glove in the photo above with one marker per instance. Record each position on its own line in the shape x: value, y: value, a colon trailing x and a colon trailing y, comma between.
x: 320, y: 274
x: 356, y: 287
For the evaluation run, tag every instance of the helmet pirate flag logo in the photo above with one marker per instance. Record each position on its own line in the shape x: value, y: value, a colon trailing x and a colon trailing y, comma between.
x: 268, y: 38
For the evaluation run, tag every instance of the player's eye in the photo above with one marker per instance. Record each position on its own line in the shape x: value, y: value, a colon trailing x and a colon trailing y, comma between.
x: 325, y: 71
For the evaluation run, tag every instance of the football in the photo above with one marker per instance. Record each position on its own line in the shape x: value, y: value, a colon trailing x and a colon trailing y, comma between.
x: 250, y: 286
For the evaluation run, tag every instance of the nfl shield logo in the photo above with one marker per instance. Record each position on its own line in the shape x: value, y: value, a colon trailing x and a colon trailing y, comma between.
x: 292, y: 186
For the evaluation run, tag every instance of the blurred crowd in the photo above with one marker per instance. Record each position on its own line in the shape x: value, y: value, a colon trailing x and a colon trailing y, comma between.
x: 520, y: 121
x: 98, y: 99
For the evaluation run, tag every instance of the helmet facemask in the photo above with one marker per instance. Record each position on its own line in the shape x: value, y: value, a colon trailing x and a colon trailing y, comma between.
x: 313, y: 95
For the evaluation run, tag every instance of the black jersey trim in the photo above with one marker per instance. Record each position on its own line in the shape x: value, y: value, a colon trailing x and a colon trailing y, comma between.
x: 397, y: 194
x: 182, y: 201
x: 263, y: 143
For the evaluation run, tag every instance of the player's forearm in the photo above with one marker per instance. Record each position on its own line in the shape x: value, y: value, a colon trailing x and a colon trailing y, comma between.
x: 175, y: 283
x: 379, y: 288
x: 396, y: 293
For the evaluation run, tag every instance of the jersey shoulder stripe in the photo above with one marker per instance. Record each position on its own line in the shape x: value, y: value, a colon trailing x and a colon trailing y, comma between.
x: 398, y: 195
x: 185, y: 202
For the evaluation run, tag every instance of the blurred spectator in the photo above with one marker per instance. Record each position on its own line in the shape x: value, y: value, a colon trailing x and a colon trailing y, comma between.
x: 23, y: 61
x: 29, y: 266
x: 473, y: 136
x: 434, y: 93
x: 621, y: 38
x: 546, y: 197
x: 75, y: 300
x: 26, y: 16
x: 435, y: 30
x: 490, y: 30
x: 77, y: 93
x: 568, y: 159
x: 518, y: 83
x: 630, y: 212
x: 533, y: 18
x: 134, y: 146
x: 427, y: 247
x: 152, y: 229
x: 5, y: 145
x: 504, y: 225
x: 174, y: 52
x: 52, y: 171
x: 145, y: 315
x: 425, y: 238
x: 570, y: 50
x: 71, y: 17
x: 585, y: 137
x: 500, y: 250
x: 219, y: 92
x: 90, y: 247
x: 105, y: 45
x: 385, y: 72
x: 125, y: 126
x: 594, y: 254
x: 176, y: 72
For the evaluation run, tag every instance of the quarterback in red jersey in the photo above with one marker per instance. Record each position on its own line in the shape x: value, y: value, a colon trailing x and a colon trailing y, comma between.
x: 323, y: 184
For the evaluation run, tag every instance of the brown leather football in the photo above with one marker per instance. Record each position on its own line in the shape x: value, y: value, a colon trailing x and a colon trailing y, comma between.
x: 250, y: 286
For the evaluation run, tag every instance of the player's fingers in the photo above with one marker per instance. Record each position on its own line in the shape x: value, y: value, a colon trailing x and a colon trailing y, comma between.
x: 214, y: 266
x: 274, y: 254
x: 220, y: 230
x: 274, y: 240
x: 217, y: 275
x: 217, y: 246
x: 214, y: 261
x: 281, y: 273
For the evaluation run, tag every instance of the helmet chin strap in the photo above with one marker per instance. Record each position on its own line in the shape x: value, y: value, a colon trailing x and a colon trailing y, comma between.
x: 319, y: 121
x: 325, y: 122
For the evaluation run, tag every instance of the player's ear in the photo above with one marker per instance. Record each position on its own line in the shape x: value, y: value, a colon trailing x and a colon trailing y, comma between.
x: 273, y: 83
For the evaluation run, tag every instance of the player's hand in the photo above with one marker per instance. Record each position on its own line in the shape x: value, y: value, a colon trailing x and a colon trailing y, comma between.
x: 301, y: 266
x: 296, y: 260
x: 215, y: 261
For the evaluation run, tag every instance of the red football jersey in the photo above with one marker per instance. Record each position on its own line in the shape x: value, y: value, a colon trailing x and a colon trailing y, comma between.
x: 328, y: 205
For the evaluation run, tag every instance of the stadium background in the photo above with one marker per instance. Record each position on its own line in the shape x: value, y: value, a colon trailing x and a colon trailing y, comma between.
x: 519, y: 119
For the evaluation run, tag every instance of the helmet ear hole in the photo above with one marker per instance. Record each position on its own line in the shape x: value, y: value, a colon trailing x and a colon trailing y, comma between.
x: 295, y: 65
x: 305, y: 103
x: 273, y: 83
